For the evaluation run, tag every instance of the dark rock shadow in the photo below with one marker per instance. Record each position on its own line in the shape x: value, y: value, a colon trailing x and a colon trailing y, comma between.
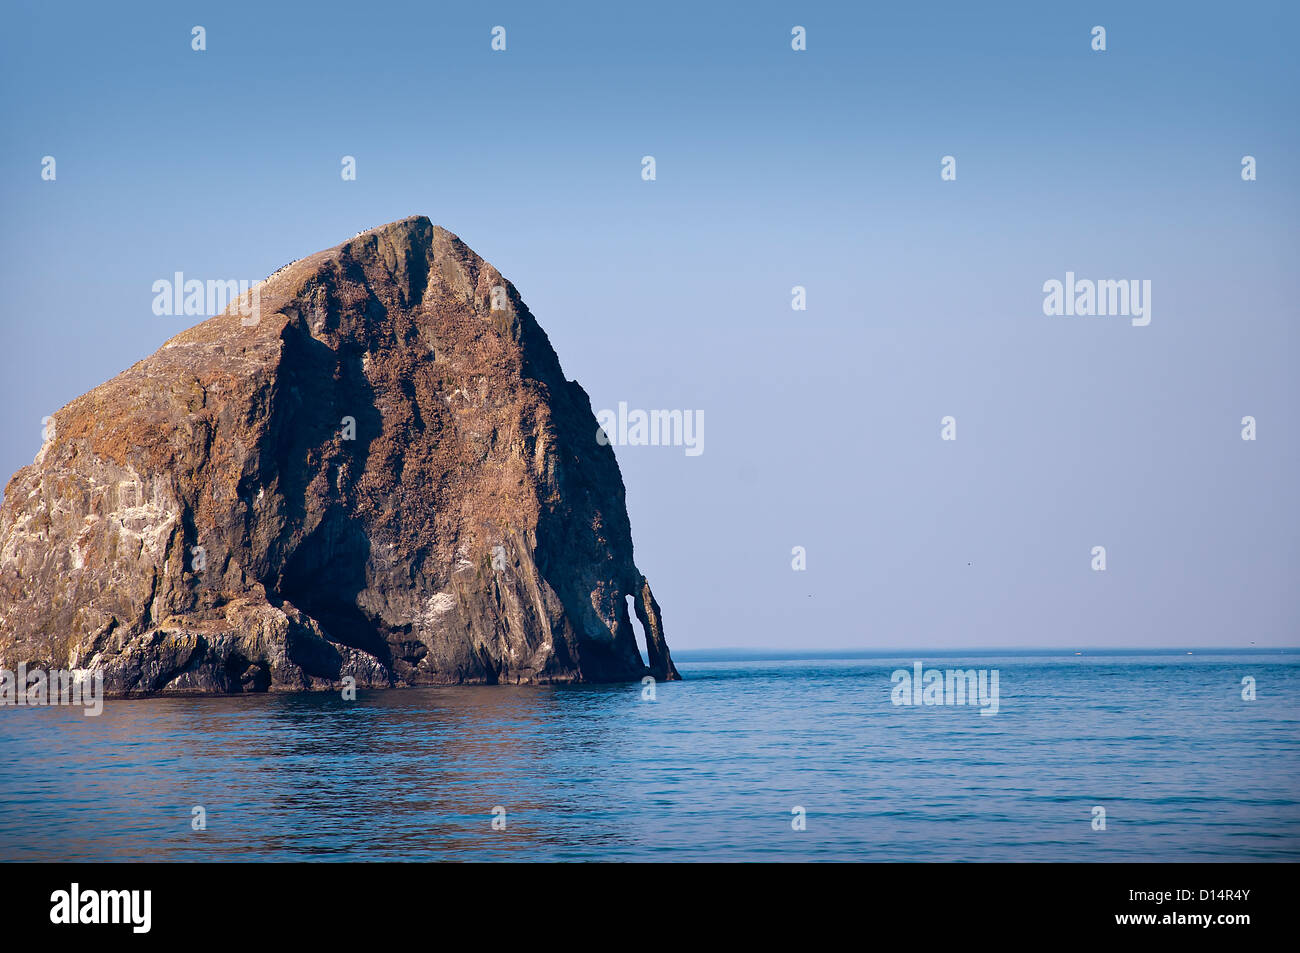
x: 323, y: 573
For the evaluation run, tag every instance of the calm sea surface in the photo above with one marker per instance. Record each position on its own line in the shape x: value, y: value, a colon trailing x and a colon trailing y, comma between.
x: 710, y: 770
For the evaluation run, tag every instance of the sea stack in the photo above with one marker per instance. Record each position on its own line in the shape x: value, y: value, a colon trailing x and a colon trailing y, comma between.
x: 382, y: 473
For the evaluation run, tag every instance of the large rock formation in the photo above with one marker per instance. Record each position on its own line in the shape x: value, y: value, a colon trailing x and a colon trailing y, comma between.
x: 388, y: 477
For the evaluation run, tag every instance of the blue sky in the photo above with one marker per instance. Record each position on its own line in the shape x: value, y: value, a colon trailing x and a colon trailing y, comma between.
x: 775, y: 168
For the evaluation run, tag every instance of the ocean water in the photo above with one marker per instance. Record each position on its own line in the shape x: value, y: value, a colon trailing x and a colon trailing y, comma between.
x: 711, y: 769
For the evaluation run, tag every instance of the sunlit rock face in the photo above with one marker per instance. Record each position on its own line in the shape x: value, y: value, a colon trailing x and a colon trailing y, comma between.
x: 381, y: 473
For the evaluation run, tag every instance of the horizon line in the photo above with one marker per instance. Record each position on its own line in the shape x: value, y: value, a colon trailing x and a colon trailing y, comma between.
x: 902, y: 652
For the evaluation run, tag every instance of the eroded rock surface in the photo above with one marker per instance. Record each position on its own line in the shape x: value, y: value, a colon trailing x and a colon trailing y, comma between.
x: 203, y: 523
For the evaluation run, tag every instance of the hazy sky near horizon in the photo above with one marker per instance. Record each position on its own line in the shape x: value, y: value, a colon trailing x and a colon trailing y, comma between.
x: 775, y: 168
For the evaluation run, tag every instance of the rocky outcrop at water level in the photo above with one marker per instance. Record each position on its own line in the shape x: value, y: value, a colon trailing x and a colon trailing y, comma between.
x: 385, y: 476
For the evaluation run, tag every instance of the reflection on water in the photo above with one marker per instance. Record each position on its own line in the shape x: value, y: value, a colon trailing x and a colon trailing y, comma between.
x: 710, y: 770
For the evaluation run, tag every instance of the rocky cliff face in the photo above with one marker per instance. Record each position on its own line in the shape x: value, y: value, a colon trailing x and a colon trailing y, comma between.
x: 387, y: 477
